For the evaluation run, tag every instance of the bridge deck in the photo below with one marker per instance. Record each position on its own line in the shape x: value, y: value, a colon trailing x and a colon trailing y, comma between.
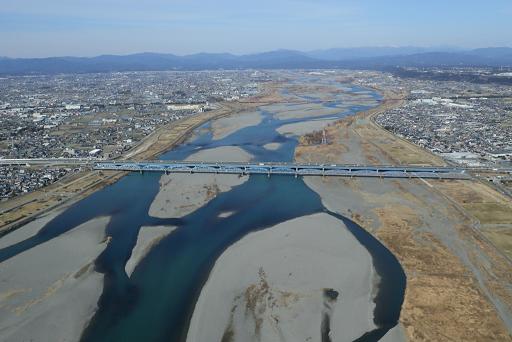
x: 287, y: 169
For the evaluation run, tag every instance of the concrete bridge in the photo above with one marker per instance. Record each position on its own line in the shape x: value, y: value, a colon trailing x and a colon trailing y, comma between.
x: 287, y: 169
x: 383, y: 171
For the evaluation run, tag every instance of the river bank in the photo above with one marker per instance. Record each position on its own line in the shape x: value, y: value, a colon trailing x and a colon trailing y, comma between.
x: 454, y: 277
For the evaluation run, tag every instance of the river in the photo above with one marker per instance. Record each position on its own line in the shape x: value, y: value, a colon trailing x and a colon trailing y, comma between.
x: 156, y: 302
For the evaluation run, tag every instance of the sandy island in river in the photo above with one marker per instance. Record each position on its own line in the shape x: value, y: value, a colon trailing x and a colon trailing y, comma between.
x: 228, y: 125
x: 287, y: 282
x: 272, y: 146
x: 49, y: 292
x: 182, y: 194
x: 291, y: 111
x: 301, y: 128
x: 148, y: 237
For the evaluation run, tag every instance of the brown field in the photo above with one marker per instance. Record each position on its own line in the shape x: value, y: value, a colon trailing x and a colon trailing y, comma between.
x: 492, y: 210
x: 442, y: 302
x: 451, y: 237
x: 502, y: 238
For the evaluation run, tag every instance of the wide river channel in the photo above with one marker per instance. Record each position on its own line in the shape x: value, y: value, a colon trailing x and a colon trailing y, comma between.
x: 156, y: 302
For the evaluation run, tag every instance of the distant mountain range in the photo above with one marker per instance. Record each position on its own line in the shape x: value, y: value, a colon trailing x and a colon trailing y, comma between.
x: 339, y: 54
x: 352, y: 58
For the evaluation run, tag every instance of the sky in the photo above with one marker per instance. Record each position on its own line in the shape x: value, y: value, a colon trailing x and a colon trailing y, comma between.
x: 40, y: 28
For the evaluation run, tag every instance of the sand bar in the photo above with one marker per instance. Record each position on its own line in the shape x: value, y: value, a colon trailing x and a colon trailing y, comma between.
x: 50, y: 292
x: 28, y: 230
x: 272, y: 146
x: 182, y: 194
x: 306, y: 111
x: 147, y: 238
x: 286, y: 282
x: 228, y: 125
x: 301, y: 128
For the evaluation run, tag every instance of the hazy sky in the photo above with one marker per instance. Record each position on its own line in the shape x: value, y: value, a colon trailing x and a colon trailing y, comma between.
x: 34, y: 28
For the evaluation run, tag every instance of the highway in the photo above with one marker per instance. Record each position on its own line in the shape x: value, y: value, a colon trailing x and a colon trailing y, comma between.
x: 49, y: 161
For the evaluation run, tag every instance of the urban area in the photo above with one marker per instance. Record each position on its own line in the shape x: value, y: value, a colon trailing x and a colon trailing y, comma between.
x: 102, y: 116
x: 466, y: 123
x: 463, y: 115
x: 99, y: 115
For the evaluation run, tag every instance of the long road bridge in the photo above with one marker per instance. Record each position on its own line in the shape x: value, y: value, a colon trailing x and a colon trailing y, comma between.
x: 287, y: 169
x: 382, y: 171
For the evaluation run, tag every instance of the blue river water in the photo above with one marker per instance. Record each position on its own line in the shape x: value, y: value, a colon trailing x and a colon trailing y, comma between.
x: 156, y: 302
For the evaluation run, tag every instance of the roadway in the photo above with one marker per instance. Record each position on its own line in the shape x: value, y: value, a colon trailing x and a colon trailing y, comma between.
x: 268, y: 168
x: 49, y: 161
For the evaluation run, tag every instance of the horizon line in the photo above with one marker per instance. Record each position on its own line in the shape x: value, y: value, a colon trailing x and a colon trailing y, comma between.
x: 452, y: 48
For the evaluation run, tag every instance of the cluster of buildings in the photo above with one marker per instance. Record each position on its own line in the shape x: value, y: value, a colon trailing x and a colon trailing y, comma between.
x: 18, y: 180
x: 465, y: 122
x: 101, y: 115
